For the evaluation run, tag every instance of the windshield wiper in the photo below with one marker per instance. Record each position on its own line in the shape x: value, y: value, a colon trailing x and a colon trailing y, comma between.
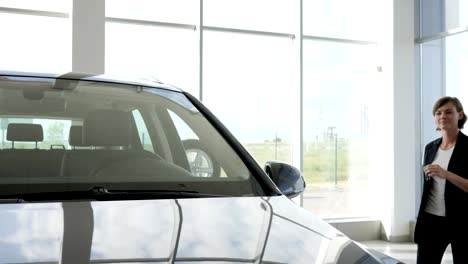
x: 102, y: 194
x: 10, y: 200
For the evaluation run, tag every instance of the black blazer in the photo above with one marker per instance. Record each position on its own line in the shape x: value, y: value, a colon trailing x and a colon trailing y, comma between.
x: 456, y: 200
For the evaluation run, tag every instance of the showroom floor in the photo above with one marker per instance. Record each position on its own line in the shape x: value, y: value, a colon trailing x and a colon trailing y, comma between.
x: 405, y: 252
x: 320, y: 200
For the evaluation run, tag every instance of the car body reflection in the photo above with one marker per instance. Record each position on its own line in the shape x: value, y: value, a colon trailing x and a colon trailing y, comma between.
x: 213, y: 230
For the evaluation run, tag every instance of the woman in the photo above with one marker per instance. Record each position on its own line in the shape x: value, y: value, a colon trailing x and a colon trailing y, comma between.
x: 443, y: 215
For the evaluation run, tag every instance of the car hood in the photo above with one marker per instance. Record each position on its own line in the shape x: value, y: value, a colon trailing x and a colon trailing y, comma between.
x: 201, y: 230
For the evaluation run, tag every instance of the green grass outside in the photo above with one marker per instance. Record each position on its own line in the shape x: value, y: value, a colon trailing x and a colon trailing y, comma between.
x: 319, y: 159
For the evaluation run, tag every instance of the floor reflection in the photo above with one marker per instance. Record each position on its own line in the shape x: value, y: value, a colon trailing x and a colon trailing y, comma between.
x: 405, y: 252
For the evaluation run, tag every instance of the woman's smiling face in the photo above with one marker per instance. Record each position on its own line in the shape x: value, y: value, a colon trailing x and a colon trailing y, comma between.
x: 446, y: 117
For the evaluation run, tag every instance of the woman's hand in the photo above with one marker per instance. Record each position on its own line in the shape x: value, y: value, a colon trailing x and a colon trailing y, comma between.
x: 435, y: 170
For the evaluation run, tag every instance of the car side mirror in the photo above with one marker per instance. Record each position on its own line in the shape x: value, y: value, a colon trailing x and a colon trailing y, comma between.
x: 289, y: 179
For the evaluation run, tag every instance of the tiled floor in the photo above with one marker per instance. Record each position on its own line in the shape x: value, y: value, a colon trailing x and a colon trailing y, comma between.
x: 405, y: 252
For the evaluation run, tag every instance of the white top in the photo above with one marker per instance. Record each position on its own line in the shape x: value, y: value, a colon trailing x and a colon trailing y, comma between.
x: 436, y: 203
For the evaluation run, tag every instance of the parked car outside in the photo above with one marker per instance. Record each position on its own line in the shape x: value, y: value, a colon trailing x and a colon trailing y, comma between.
x: 99, y: 170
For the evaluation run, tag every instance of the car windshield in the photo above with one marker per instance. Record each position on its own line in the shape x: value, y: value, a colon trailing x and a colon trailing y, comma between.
x: 75, y: 135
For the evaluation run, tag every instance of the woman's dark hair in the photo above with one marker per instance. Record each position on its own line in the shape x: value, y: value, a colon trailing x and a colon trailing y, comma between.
x: 445, y: 100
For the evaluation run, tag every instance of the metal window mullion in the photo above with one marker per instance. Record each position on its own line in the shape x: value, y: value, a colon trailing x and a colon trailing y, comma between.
x: 251, y: 32
x: 301, y: 93
x: 419, y: 185
x: 31, y: 12
x: 444, y: 66
x: 442, y: 35
x: 350, y: 41
x: 200, y: 51
x: 150, y: 23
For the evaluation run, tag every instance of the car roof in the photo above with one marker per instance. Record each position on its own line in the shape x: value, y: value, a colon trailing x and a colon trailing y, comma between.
x: 105, y: 78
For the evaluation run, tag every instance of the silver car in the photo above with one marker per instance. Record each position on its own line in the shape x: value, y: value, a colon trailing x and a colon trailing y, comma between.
x: 100, y: 170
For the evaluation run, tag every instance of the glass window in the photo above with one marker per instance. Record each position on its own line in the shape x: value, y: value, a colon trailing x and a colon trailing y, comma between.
x: 248, y: 85
x: 175, y: 11
x: 431, y: 17
x: 456, y: 65
x: 55, y: 133
x: 35, y: 43
x: 264, y: 15
x: 339, y: 80
x: 142, y: 131
x: 43, y: 5
x: 115, y: 159
x: 184, y: 131
x: 342, y: 19
x: 462, y: 13
x: 443, y: 72
x: 164, y: 54
x: 199, y: 157
x: 441, y: 16
x: 433, y: 83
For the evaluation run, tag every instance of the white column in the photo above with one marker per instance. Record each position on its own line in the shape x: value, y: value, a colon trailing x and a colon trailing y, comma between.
x: 406, y: 125
x: 395, y: 134
x: 88, y: 38
x: 381, y: 125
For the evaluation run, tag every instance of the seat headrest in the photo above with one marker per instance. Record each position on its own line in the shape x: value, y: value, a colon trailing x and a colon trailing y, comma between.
x: 25, y: 132
x: 108, y: 128
x: 75, y: 137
